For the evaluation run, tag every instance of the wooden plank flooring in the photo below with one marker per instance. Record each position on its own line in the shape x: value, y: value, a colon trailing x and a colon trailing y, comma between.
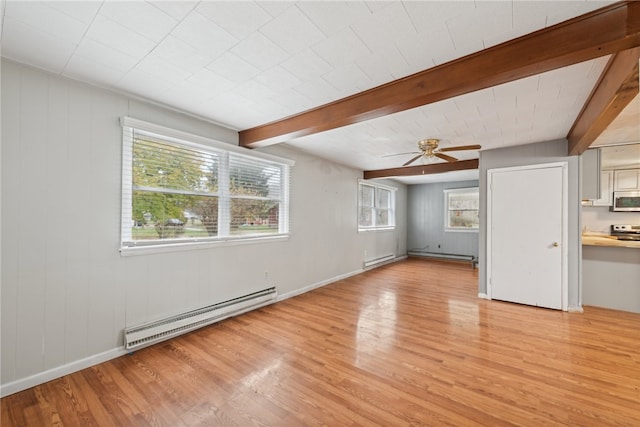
x: 406, y: 344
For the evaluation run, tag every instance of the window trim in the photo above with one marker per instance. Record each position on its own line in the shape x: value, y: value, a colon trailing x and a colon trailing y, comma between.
x: 447, y: 228
x: 201, y: 143
x: 392, y: 210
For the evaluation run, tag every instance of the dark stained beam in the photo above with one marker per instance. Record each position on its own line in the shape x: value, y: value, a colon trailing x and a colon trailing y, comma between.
x: 604, y: 31
x: 617, y: 87
x: 422, y: 170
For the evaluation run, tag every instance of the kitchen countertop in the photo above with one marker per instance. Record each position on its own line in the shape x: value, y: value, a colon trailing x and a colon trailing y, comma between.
x: 604, y: 239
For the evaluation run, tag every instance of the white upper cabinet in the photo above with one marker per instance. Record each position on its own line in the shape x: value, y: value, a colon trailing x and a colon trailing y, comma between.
x: 626, y: 179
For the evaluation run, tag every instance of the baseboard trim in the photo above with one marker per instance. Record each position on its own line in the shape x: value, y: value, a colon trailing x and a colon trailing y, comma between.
x: 482, y: 295
x: 59, y: 371
x: 575, y: 309
x: 334, y: 279
x: 78, y: 365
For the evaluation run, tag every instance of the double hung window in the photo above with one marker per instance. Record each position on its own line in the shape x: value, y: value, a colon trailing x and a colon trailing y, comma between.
x: 462, y: 207
x: 376, y: 206
x: 181, y: 188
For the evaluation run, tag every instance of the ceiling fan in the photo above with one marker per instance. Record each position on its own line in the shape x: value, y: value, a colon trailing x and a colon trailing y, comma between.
x: 429, y: 149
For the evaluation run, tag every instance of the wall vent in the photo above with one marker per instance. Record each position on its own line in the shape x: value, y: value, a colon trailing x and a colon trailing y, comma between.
x: 379, y: 260
x: 150, y: 333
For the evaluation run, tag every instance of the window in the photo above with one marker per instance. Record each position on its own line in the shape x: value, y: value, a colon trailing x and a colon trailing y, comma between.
x: 461, y: 209
x: 376, y: 206
x: 180, y: 188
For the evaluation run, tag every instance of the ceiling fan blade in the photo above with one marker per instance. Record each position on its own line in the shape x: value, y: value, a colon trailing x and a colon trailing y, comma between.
x: 445, y: 157
x: 461, y: 147
x: 400, y: 154
x: 412, y: 160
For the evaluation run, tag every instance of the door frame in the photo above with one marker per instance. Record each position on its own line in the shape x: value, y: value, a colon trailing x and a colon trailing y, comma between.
x: 564, y: 224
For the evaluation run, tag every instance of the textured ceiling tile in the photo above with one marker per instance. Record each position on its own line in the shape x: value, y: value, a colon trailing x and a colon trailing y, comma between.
x: 182, y: 53
x: 260, y: 51
x: 80, y: 67
x: 141, y: 17
x: 234, y: 68
x: 239, y: 18
x: 379, y: 30
x: 319, y: 91
x: 47, y: 20
x: 21, y: 43
x: 277, y: 78
x: 204, y: 35
x: 143, y: 84
x: 177, y: 9
x: 385, y: 65
x: 107, y: 56
x: 337, y: 16
x: 162, y: 69
x: 341, y: 48
x: 292, y: 31
x: 83, y: 11
x: 275, y: 8
x: 348, y: 79
x: 113, y: 34
x: 210, y: 83
x: 307, y: 65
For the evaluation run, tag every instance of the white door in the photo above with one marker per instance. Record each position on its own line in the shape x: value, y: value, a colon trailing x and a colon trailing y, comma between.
x: 526, y: 229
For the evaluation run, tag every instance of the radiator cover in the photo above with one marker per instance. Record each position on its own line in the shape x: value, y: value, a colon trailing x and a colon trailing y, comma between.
x: 153, y: 332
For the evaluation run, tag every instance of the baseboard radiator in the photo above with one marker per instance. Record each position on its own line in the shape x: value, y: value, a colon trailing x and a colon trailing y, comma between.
x: 150, y: 333
x: 379, y: 260
x: 470, y: 258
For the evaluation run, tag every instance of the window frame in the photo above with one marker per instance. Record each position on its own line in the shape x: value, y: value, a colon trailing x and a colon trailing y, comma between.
x: 391, y: 225
x: 128, y: 246
x: 447, y: 210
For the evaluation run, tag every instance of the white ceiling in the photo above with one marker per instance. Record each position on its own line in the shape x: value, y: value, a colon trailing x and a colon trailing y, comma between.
x: 243, y: 64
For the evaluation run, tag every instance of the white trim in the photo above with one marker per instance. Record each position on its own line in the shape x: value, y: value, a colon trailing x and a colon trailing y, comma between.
x: 186, y: 137
x: 482, y: 295
x: 575, y: 309
x: 60, y: 371
x: 448, y: 229
x: 375, y: 184
x: 565, y: 224
x: 191, y: 246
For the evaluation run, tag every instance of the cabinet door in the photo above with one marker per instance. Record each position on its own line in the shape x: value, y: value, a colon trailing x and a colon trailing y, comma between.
x: 591, y: 174
x: 626, y: 179
x: 606, y: 189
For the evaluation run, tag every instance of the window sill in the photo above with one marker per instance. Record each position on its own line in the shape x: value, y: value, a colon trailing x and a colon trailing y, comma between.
x: 191, y: 246
x: 367, y: 230
x: 462, y: 230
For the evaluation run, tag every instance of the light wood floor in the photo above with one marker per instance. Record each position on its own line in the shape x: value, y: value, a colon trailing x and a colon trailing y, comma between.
x: 404, y: 345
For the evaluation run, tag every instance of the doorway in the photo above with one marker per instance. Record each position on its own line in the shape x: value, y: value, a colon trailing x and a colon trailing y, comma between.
x: 527, y: 235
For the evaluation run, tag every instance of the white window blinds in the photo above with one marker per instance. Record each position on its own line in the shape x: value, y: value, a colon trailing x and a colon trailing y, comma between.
x: 176, y: 190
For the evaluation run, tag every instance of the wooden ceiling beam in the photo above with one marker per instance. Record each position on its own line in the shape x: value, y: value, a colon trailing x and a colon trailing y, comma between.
x: 422, y: 169
x: 608, y: 30
x: 617, y: 87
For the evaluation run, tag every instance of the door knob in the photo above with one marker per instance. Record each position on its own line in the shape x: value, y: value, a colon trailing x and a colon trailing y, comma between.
x: 556, y: 244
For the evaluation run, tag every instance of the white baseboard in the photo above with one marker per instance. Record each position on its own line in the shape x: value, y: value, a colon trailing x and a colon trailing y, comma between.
x: 575, y: 309
x: 334, y: 279
x: 78, y: 365
x: 483, y: 295
x: 60, y: 371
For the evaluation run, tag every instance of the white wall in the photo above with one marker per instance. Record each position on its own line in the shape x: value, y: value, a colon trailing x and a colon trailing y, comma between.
x: 599, y: 218
x: 67, y: 293
x: 531, y: 154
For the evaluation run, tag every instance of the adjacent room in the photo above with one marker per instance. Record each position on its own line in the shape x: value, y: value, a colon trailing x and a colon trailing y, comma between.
x: 320, y: 213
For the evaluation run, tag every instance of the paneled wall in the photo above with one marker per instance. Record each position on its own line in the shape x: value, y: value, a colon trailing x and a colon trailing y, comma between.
x: 67, y: 293
x: 425, y: 226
